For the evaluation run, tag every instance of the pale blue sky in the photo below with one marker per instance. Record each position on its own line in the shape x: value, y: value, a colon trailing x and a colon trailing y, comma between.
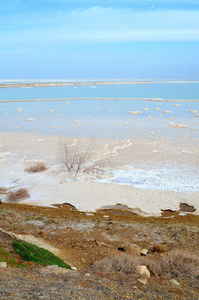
x: 73, y: 39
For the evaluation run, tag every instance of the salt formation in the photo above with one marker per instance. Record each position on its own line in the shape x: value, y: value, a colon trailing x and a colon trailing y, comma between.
x: 166, y: 111
x: 178, y: 125
x: 192, y: 111
x: 135, y: 112
x: 30, y: 119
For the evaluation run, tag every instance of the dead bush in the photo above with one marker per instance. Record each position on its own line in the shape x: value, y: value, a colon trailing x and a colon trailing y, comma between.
x: 175, y: 263
x: 118, y: 263
x: 3, y: 190
x: 18, y: 195
x: 36, y: 167
x: 77, y: 156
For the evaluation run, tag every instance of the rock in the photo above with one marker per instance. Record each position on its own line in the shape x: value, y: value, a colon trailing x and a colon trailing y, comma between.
x: 159, y: 248
x: 74, y: 268
x: 3, y: 264
x: 142, y: 270
x: 175, y: 282
x: 143, y: 280
x: 144, y: 252
x: 132, y: 249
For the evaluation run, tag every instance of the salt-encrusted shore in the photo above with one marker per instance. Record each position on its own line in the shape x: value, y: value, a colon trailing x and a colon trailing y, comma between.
x: 85, y: 192
x: 36, y: 83
x: 102, y: 98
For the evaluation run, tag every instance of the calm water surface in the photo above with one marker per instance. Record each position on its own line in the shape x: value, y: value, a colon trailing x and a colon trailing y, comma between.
x: 101, y: 117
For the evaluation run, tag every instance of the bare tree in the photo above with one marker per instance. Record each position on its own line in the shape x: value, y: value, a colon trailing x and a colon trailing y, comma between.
x: 76, y: 156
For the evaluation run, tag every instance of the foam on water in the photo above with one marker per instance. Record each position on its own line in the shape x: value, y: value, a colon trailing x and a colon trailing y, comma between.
x: 178, y: 179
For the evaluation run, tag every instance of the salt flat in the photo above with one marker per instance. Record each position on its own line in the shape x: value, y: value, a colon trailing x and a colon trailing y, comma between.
x: 89, y: 191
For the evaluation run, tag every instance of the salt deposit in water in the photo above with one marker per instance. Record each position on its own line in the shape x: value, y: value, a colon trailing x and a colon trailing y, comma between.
x: 135, y: 112
x: 160, y: 179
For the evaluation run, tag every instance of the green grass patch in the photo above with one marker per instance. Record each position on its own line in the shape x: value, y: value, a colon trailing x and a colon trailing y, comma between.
x: 30, y: 252
x: 11, y: 261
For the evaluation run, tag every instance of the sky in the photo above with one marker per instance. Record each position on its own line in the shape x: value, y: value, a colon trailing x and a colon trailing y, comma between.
x: 106, y: 39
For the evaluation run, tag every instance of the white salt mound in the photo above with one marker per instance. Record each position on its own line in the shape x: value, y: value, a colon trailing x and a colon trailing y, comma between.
x: 135, y: 112
x: 30, y: 119
x: 166, y: 111
x: 192, y: 111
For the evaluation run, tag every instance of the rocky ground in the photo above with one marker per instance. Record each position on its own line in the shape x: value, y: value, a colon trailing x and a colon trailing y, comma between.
x: 81, y: 239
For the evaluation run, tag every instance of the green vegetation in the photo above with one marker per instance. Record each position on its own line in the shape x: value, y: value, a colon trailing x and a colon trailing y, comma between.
x: 7, y: 257
x: 30, y: 252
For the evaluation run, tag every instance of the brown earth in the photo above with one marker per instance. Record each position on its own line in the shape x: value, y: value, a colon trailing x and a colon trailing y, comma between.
x: 84, y: 238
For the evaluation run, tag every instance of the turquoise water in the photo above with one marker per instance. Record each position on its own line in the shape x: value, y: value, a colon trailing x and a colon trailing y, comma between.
x: 174, y: 91
x: 101, y: 118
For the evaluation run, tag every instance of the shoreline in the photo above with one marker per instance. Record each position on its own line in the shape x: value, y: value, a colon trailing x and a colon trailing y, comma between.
x: 54, y: 186
x: 44, y: 84
x: 119, y: 99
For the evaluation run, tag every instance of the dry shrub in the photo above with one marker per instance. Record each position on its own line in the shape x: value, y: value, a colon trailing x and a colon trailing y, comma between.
x: 77, y: 156
x: 3, y: 190
x: 118, y: 263
x: 36, y: 167
x: 18, y: 195
x: 175, y: 263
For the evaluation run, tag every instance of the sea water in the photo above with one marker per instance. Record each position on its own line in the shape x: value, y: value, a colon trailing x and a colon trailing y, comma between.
x: 111, y: 118
x: 173, y: 91
x: 97, y: 117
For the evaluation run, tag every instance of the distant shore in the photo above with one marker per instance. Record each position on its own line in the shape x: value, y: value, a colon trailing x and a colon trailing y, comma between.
x: 44, y: 84
x: 102, y: 98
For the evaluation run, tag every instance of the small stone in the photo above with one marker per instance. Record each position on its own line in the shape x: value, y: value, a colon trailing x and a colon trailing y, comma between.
x: 144, y: 252
x: 142, y: 270
x: 132, y: 249
x: 175, y: 282
x: 74, y: 268
x: 143, y: 280
x: 159, y: 248
x: 3, y: 264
